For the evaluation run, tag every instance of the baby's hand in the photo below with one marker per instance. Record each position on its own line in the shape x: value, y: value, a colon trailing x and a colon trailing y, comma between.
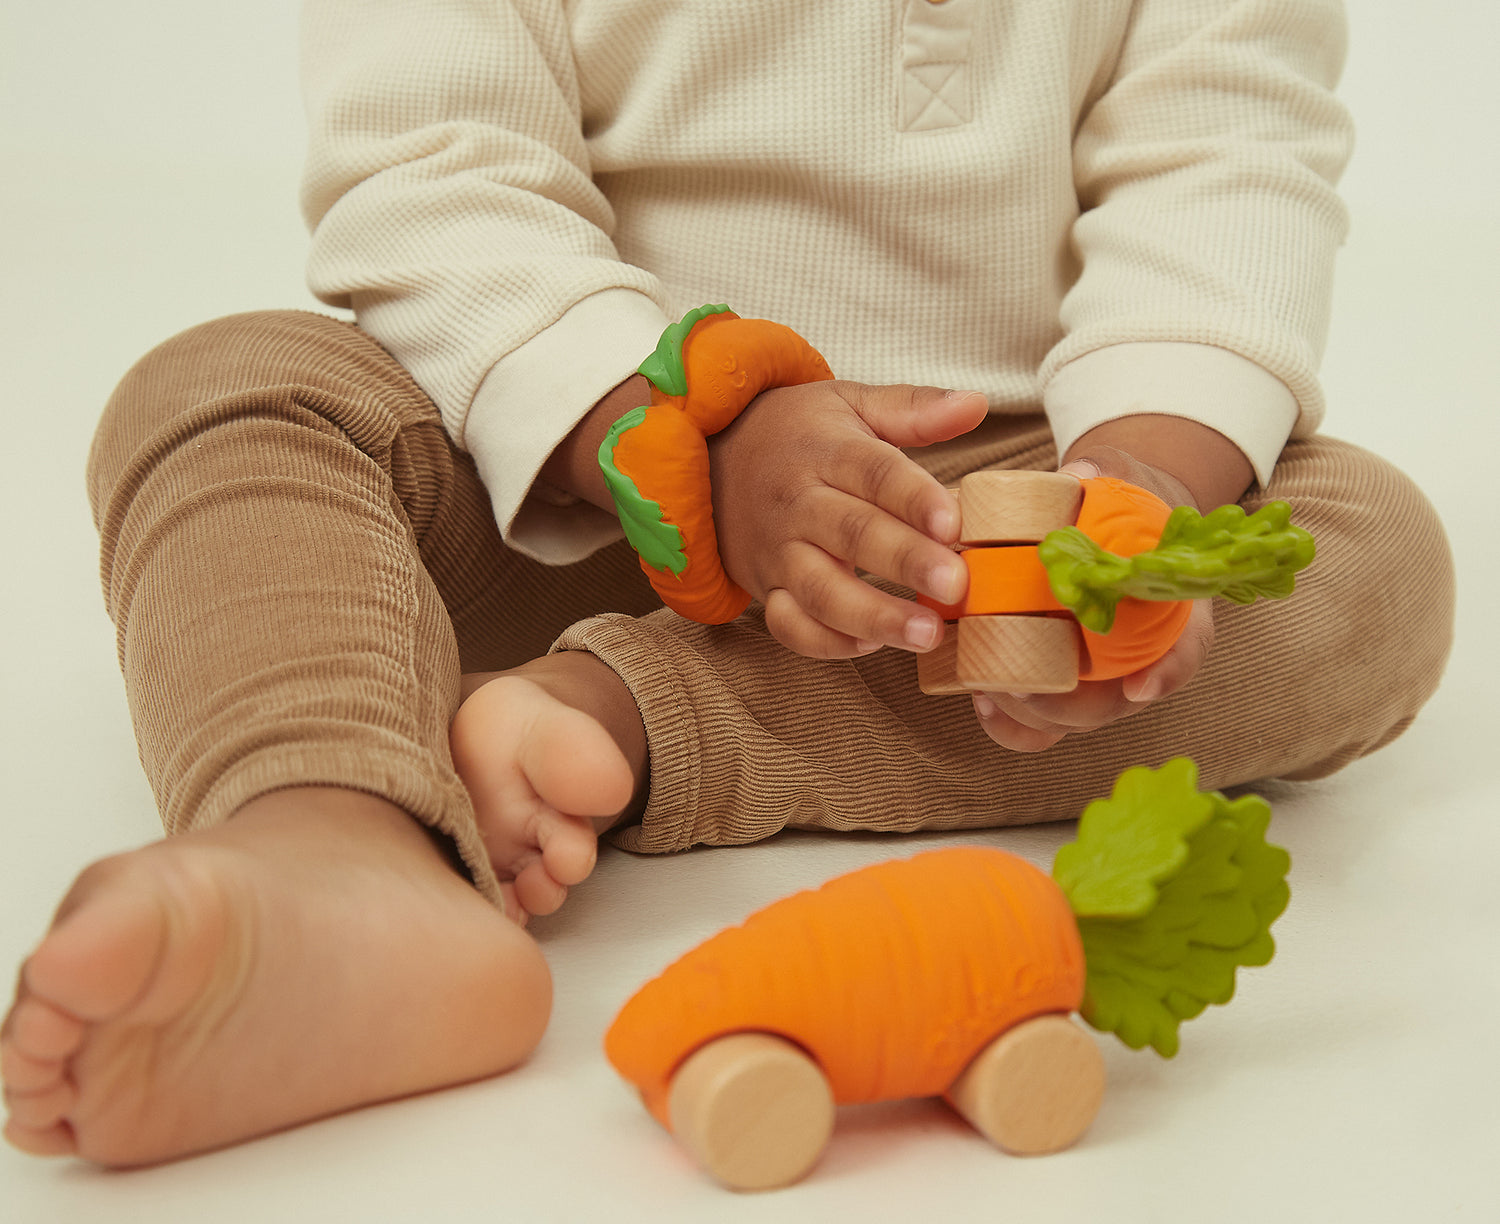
x: 1031, y: 722
x: 809, y: 486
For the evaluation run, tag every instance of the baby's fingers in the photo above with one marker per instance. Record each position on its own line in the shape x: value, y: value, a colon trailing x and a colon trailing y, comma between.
x: 871, y: 539
x: 823, y: 610
x: 917, y: 416
x: 803, y: 635
x: 1011, y: 732
x: 876, y: 474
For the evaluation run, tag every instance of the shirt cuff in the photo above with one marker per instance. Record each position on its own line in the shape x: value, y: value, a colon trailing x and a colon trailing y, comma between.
x: 529, y: 402
x: 1213, y: 386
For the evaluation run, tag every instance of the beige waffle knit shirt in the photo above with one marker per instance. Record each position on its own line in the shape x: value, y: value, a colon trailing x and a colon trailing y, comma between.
x: 1096, y: 208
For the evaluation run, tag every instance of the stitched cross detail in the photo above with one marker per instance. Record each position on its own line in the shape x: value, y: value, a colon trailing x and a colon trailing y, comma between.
x: 936, y: 83
x: 935, y: 96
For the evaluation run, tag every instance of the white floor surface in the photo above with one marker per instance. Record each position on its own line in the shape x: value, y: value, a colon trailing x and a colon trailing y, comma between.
x: 150, y: 154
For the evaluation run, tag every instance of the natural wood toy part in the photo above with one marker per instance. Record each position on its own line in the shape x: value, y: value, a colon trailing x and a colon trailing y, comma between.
x: 756, y: 1112
x: 1014, y: 654
x: 1035, y: 1089
x: 1016, y: 507
x: 998, y: 643
x: 753, y: 1110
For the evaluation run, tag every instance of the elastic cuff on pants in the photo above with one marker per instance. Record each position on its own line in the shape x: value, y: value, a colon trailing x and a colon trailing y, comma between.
x: 646, y: 664
x: 394, y: 775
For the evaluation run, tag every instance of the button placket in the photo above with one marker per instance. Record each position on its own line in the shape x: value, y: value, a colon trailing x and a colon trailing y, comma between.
x: 936, y: 85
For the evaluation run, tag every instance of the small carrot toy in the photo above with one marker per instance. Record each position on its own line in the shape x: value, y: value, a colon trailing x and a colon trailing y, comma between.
x: 1090, y: 580
x: 704, y: 372
x: 953, y: 973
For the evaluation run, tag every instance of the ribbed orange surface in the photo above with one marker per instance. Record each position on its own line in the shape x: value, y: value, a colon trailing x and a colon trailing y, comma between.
x: 1126, y: 520
x: 892, y: 977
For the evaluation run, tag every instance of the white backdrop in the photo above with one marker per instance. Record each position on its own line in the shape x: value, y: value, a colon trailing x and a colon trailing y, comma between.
x: 151, y: 153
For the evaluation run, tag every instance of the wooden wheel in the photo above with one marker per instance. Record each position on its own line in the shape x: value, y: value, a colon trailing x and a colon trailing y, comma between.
x: 1004, y: 654
x: 1035, y: 1088
x: 1016, y: 507
x: 753, y: 1109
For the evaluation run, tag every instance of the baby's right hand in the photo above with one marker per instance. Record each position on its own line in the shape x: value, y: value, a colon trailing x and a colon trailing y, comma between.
x: 809, y: 486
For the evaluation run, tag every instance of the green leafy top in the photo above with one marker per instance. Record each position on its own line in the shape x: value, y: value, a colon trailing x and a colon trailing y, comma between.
x: 1174, y: 889
x: 664, y: 366
x: 1241, y: 557
x: 657, y: 541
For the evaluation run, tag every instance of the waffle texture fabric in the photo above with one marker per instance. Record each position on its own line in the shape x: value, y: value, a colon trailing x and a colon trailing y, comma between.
x: 1095, y: 209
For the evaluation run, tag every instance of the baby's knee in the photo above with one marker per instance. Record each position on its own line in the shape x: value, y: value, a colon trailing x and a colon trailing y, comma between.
x: 1382, y: 583
x: 222, y: 362
x: 1386, y: 537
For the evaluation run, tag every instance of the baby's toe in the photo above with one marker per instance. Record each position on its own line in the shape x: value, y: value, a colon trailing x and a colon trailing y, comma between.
x: 537, y: 892
x: 569, y: 846
x: 55, y: 1140
x: 41, y: 1032
x: 19, y: 1072
x: 41, y: 1109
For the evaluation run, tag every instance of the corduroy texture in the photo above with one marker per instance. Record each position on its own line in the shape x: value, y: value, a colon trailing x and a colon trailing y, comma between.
x: 746, y: 741
x: 300, y: 564
x: 288, y: 543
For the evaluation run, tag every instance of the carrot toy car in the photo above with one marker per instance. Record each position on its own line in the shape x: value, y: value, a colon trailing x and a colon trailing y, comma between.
x: 954, y: 973
x: 1075, y: 580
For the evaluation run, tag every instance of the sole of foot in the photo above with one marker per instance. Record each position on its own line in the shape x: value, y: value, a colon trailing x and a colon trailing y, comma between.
x: 314, y: 954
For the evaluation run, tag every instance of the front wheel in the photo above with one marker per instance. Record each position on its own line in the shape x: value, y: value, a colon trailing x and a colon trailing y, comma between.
x: 1035, y: 1088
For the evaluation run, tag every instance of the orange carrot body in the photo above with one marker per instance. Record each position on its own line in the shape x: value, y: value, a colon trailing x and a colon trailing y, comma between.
x: 1010, y: 580
x: 728, y: 361
x: 668, y: 455
x: 892, y: 977
x: 1006, y: 580
x: 1126, y: 520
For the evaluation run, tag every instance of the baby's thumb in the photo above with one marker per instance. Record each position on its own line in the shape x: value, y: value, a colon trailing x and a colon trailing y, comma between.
x: 919, y: 416
x: 1084, y: 469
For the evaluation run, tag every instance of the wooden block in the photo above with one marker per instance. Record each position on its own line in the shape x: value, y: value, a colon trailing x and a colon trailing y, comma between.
x: 1004, y: 654
x: 753, y: 1109
x: 1016, y: 507
x: 1035, y: 1088
x: 937, y: 670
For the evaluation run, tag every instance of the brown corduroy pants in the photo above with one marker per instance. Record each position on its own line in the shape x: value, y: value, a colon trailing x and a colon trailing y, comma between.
x: 300, y: 565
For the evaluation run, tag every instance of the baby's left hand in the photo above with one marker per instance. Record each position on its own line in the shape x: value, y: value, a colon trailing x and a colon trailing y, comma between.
x: 1031, y: 722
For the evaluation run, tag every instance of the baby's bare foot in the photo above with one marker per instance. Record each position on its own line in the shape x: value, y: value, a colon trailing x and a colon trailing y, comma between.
x: 314, y: 954
x: 552, y: 753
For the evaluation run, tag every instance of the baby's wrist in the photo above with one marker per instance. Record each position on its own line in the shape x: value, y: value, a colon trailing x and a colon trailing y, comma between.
x: 1182, y: 461
x: 573, y: 467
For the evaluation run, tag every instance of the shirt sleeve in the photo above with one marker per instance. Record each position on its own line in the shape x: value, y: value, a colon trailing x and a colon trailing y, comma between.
x: 453, y: 209
x: 1208, y: 224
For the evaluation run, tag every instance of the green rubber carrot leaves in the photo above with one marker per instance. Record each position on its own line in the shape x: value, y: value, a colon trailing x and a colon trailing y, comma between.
x: 1127, y: 844
x: 1227, y: 552
x: 664, y: 366
x: 657, y: 541
x: 1174, y: 890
